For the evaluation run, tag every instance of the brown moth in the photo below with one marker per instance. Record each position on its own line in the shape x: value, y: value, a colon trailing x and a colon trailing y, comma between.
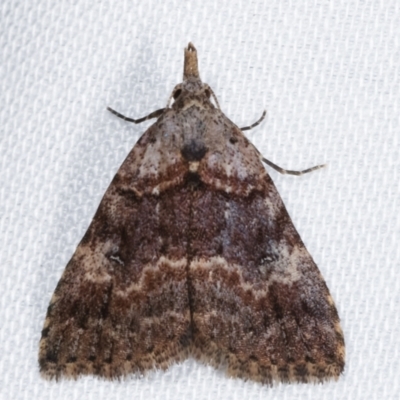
x: 192, y: 252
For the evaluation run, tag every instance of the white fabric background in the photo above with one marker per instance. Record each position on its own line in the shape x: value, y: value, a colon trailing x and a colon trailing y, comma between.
x: 328, y: 74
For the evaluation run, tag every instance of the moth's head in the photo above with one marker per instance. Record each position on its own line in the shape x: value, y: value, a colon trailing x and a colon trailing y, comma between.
x: 192, y: 91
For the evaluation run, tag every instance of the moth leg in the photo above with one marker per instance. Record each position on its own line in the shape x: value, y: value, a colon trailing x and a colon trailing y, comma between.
x: 286, y: 171
x: 154, y: 114
x: 258, y: 122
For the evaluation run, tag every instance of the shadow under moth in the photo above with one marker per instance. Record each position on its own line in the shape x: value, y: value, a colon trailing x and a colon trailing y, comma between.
x: 192, y: 253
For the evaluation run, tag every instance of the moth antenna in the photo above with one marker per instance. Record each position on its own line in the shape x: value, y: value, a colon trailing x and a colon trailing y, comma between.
x: 154, y: 114
x: 289, y: 172
x: 169, y: 100
x: 258, y: 122
x: 214, y: 97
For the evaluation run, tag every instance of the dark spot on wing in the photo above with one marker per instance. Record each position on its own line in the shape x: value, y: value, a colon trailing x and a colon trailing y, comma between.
x: 194, y: 150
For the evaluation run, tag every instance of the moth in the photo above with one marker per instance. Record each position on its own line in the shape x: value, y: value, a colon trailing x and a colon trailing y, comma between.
x: 192, y: 253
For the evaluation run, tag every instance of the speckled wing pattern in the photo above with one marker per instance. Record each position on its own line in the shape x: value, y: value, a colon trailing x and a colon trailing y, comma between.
x: 192, y: 252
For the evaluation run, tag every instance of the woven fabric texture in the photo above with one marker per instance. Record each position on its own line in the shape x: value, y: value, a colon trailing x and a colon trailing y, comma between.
x: 328, y: 74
